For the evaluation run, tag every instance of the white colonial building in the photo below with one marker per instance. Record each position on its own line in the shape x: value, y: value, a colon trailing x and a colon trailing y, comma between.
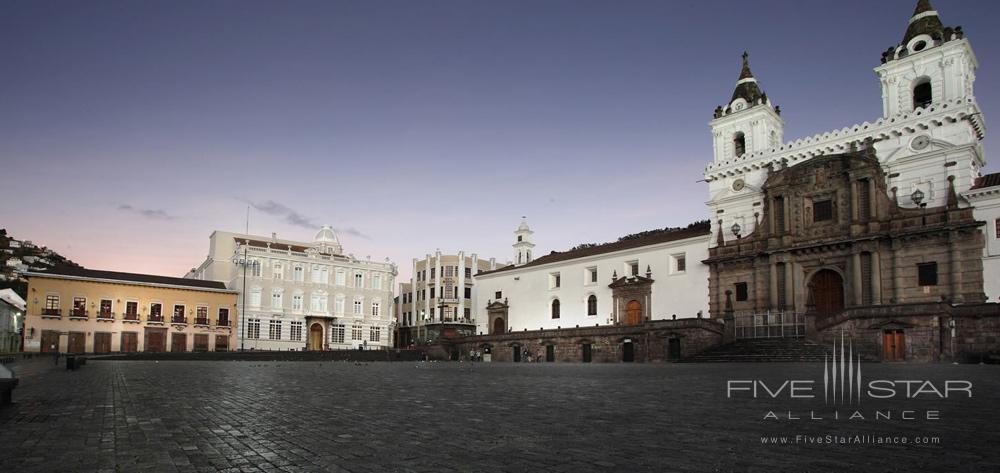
x: 302, y: 295
x: 648, y: 276
x: 440, y: 298
x: 985, y: 197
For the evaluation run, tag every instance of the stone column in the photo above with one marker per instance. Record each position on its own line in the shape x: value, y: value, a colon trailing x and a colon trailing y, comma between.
x: 897, y: 276
x: 956, y: 267
x: 876, y: 277
x: 774, y: 285
x: 789, y: 285
x: 729, y: 318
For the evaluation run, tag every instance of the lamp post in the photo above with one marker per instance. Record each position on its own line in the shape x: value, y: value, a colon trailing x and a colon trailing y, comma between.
x: 918, y: 198
x: 951, y: 325
x: 243, y: 261
x: 736, y: 230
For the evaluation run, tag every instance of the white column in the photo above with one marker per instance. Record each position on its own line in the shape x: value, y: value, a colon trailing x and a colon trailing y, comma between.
x: 461, y: 284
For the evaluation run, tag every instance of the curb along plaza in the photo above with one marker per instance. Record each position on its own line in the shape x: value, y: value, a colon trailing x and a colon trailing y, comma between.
x: 397, y: 200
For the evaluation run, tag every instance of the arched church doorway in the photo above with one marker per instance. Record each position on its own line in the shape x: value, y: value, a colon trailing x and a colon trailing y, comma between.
x: 316, y: 337
x: 828, y: 292
x: 633, y: 313
x: 499, y: 326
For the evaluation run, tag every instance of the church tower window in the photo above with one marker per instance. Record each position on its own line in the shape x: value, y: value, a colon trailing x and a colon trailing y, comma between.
x: 739, y: 144
x: 922, y: 93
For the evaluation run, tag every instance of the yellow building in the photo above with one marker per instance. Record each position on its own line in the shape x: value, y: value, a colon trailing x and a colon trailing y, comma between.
x: 77, y: 310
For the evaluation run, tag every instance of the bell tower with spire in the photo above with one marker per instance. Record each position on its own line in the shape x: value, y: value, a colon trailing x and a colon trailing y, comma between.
x: 522, y: 243
x: 933, y: 64
x: 748, y: 124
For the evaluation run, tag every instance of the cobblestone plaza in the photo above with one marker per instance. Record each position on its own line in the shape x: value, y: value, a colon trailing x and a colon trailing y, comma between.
x: 340, y: 416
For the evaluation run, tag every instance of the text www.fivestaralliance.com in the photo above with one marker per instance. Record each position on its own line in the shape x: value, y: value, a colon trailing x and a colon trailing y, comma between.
x: 859, y: 439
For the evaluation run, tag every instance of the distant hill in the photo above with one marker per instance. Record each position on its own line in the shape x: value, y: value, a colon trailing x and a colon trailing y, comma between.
x: 18, y: 256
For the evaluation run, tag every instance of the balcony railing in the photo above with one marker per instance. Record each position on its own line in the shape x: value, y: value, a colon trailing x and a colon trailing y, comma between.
x: 201, y: 321
x: 78, y: 314
x: 52, y: 312
x: 178, y: 320
x: 102, y: 315
x: 131, y: 316
x: 223, y: 323
x: 770, y: 324
x: 155, y: 318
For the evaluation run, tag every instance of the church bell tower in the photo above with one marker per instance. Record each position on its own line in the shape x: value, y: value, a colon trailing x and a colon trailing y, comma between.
x: 522, y: 243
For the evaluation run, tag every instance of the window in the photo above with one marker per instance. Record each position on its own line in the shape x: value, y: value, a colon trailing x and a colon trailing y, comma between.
x: 275, y: 300
x: 680, y: 263
x: 433, y: 270
x: 468, y: 273
x: 274, y: 330
x: 449, y: 271
x: 254, y: 297
x: 201, y: 315
x: 498, y: 295
x: 592, y: 305
x: 296, y: 333
x: 377, y: 281
x: 374, y: 334
x: 179, y: 314
x: 555, y: 308
x: 79, y: 306
x: 520, y: 238
x: 375, y: 308
x: 449, y: 292
x: 432, y: 293
x: 359, y: 280
x: 927, y: 274
x: 337, y: 334
x: 278, y: 272
x: 554, y: 281
x: 253, y: 328
x: 297, y: 302
x: 341, y: 277
x: 591, y: 275
x: 741, y: 291
x: 822, y: 211
x: 299, y: 273
x: 780, y: 284
x: 739, y: 144
x: 468, y: 313
x: 255, y: 268
x: 105, y: 308
x: 314, y: 275
x: 52, y: 300
x: 131, y: 309
x: 358, y: 303
x: 314, y: 302
x: 633, y: 268
x: 223, y: 320
x: 338, y: 305
x: 468, y: 293
x: 996, y: 234
x: 156, y: 312
x: 356, y: 332
x: 922, y: 93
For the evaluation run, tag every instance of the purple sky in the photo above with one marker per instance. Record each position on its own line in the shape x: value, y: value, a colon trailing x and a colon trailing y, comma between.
x: 130, y: 130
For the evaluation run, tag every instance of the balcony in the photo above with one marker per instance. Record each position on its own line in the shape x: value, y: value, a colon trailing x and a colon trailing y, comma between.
x: 105, y: 316
x: 55, y: 313
x: 222, y: 323
x: 130, y: 317
x: 78, y: 314
x: 201, y: 321
x: 155, y: 318
x: 178, y: 320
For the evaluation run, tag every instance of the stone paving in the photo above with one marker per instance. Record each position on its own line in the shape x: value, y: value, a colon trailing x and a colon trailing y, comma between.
x: 441, y: 417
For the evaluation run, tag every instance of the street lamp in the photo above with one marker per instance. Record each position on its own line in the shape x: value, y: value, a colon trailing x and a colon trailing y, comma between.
x: 951, y: 325
x: 736, y: 230
x: 243, y: 261
x: 918, y: 198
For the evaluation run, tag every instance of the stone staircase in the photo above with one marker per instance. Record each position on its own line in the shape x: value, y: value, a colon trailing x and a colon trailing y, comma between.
x: 763, y: 350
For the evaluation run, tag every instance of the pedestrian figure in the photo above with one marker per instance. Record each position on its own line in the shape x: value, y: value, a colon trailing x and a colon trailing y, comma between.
x: 56, y: 352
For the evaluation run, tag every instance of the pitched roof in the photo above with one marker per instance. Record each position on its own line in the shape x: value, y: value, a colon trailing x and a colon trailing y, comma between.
x: 642, y: 239
x: 988, y: 180
x: 748, y: 90
x: 131, y: 277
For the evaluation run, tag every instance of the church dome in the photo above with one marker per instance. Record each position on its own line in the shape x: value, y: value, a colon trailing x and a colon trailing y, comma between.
x: 524, y: 226
x: 326, y: 235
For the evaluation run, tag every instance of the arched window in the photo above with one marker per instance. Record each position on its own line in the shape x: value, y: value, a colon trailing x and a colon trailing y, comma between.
x: 922, y: 93
x: 739, y: 143
x: 592, y: 305
x: 555, y: 308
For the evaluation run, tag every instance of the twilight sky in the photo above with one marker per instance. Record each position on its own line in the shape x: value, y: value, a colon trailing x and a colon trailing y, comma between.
x: 130, y: 130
